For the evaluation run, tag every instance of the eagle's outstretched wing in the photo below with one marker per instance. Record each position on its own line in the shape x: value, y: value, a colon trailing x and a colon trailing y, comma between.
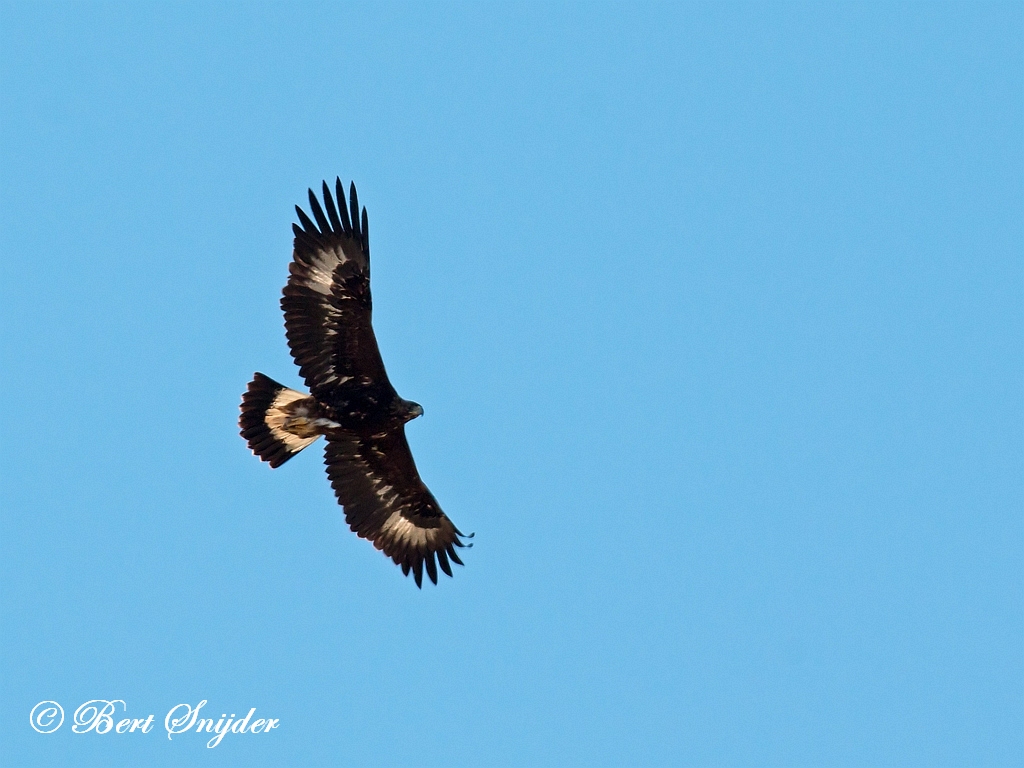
x: 385, y: 501
x: 326, y: 303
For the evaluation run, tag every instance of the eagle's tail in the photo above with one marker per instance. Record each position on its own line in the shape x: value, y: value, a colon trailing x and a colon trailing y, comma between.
x: 273, y: 420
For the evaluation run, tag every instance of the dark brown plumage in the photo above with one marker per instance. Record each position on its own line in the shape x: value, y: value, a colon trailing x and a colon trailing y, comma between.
x: 327, y: 315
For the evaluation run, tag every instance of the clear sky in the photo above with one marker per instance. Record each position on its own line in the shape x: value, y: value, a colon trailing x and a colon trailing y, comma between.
x: 717, y: 316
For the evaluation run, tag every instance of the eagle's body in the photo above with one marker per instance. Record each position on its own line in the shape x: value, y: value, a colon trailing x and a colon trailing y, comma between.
x: 327, y: 310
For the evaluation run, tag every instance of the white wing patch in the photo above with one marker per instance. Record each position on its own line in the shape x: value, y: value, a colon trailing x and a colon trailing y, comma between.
x: 318, y: 269
x: 401, y: 529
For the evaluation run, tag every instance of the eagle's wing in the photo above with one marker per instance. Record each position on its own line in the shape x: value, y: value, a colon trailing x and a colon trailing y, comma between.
x: 326, y: 303
x: 385, y: 501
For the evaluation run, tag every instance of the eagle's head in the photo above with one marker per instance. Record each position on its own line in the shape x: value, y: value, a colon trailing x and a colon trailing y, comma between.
x: 409, y: 410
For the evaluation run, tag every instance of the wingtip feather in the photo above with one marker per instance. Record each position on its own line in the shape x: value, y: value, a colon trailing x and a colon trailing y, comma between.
x: 417, y: 573
x: 307, y: 224
x: 339, y: 190
x: 442, y: 560
x: 451, y: 553
x: 353, y: 198
x: 318, y: 213
x: 332, y: 211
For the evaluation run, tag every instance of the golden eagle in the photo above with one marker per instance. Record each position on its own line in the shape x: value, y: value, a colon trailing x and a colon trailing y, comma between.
x: 327, y: 311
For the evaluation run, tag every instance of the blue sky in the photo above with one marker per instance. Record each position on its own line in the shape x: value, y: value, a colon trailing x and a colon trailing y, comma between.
x: 717, y: 316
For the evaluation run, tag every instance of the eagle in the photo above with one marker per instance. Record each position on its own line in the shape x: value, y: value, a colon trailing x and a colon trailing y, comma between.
x: 351, y: 403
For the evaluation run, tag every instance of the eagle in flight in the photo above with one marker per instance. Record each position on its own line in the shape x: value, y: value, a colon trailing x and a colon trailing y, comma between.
x: 351, y: 402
